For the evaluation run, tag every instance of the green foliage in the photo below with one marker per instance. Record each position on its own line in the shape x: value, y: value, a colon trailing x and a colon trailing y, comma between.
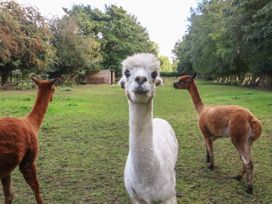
x: 24, y: 40
x: 84, y: 145
x: 119, y: 33
x: 169, y: 74
x: 76, y: 53
x: 228, y: 39
x: 258, y: 35
x: 84, y: 40
x: 166, y: 65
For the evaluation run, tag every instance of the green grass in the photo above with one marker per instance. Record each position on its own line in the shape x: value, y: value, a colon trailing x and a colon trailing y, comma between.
x: 84, y: 144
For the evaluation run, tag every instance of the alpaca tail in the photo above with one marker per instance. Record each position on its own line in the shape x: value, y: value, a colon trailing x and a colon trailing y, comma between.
x: 256, y: 128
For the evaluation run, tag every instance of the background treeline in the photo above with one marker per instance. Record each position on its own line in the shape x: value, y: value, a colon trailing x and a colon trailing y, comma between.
x: 229, y: 41
x: 83, y: 40
x: 226, y: 41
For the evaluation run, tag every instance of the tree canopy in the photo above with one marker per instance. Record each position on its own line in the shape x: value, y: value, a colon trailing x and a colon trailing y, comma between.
x: 24, y: 40
x: 76, y: 52
x: 166, y: 65
x: 119, y: 33
x: 82, y: 41
x: 228, y: 39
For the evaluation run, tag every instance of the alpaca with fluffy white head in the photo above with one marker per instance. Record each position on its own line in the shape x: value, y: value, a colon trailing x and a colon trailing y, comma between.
x: 153, y: 149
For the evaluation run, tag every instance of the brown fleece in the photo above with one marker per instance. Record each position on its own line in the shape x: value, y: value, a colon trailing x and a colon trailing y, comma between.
x: 228, y: 120
x: 19, y: 142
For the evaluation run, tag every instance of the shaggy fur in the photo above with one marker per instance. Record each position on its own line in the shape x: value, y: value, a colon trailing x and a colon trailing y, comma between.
x: 218, y: 121
x: 150, y: 168
x: 19, y: 142
x: 145, y: 61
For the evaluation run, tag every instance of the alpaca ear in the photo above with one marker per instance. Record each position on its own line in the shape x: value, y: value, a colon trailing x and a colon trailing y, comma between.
x: 158, y: 81
x: 122, y: 82
x: 53, y: 81
x: 34, y: 80
x: 194, y: 75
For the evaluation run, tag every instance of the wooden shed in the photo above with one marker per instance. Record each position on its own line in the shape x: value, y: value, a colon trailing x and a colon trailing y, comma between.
x: 101, y: 77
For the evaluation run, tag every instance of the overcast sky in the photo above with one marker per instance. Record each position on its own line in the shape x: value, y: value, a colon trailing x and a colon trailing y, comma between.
x: 165, y: 20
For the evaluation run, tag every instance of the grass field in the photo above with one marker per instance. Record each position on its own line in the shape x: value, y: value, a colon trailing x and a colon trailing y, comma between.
x: 84, y: 144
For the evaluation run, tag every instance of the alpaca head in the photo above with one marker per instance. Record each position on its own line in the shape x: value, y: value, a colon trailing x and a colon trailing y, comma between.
x: 140, y: 77
x: 184, y: 81
x: 45, y: 87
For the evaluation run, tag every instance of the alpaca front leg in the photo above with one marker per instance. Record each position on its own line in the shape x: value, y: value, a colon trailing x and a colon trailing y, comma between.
x: 208, y: 159
x: 209, y: 145
x: 30, y: 176
x: 6, y: 183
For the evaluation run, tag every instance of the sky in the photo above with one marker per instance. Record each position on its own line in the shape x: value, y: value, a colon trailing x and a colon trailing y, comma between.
x: 165, y: 20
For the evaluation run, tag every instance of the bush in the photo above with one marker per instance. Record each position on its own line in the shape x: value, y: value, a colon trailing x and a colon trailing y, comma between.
x: 169, y: 74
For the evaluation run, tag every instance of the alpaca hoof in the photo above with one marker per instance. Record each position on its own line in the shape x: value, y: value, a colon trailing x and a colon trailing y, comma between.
x: 211, y: 167
x: 249, y: 190
x: 238, y: 177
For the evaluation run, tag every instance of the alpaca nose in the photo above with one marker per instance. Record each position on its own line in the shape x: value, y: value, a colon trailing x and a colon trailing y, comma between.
x: 140, y: 79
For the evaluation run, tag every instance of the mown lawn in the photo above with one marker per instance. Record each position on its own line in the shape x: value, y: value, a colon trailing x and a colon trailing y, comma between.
x: 84, y: 145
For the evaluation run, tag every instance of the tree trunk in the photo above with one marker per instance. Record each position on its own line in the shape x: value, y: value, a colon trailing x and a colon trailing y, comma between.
x: 266, y: 81
x: 5, y: 71
x: 4, y: 78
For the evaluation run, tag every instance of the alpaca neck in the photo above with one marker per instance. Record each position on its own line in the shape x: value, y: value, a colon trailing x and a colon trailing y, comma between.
x: 196, y: 97
x: 39, y: 109
x: 141, y: 137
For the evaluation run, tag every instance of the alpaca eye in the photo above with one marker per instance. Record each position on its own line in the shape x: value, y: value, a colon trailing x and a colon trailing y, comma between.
x: 181, y: 82
x: 154, y: 74
x: 127, y: 73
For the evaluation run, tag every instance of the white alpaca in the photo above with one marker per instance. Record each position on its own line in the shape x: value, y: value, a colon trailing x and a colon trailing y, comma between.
x: 150, y: 168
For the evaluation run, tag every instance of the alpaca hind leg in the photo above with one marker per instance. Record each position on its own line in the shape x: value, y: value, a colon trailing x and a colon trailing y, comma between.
x: 249, y: 171
x: 30, y: 176
x: 6, y: 183
x: 239, y: 129
x: 247, y: 167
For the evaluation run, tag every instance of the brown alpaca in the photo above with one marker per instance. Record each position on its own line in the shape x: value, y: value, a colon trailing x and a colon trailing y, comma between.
x: 19, y: 142
x: 218, y: 121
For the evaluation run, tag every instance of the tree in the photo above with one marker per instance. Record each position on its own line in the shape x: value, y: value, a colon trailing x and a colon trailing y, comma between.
x: 166, y: 65
x: 257, y: 34
x: 76, y: 52
x: 119, y: 33
x: 24, y: 40
x: 182, y: 55
x: 228, y: 39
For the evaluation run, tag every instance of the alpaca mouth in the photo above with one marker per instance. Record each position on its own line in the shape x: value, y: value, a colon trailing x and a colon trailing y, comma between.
x: 140, y: 91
